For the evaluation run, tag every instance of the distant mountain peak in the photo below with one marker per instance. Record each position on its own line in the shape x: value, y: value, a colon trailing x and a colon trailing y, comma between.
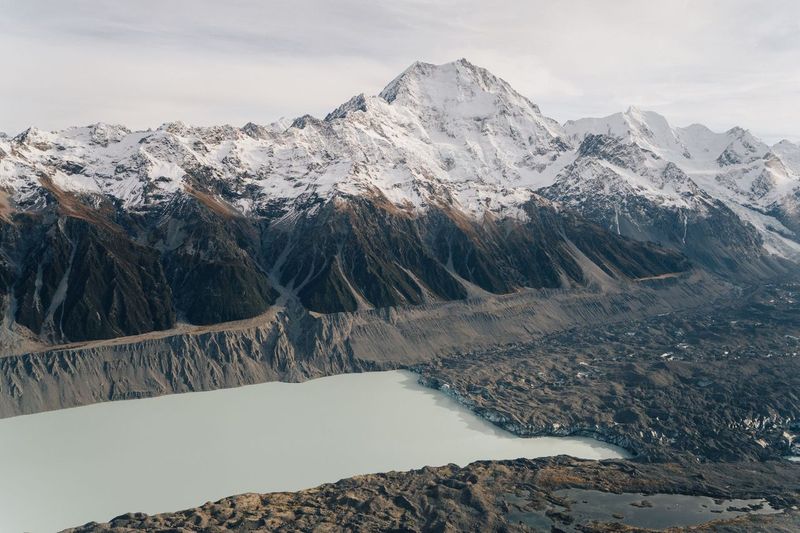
x: 304, y: 121
x: 176, y: 127
x: 635, y: 111
x: 737, y: 131
x: 787, y: 143
x: 99, y: 133
x: 29, y: 133
x: 356, y: 103
x: 647, y: 129
x: 644, y: 116
x: 461, y: 81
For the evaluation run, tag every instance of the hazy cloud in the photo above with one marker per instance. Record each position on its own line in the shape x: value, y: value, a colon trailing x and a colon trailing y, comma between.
x: 723, y: 63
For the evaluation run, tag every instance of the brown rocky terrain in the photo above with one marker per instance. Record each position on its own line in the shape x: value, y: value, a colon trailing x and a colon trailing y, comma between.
x: 718, y: 383
x: 509, y: 496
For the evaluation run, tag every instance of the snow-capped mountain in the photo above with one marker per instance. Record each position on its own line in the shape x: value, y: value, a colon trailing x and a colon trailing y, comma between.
x: 452, y: 133
x: 733, y: 170
x: 733, y: 165
x: 447, y: 184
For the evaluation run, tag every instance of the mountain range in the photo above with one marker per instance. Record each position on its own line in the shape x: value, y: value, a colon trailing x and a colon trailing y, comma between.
x: 447, y: 185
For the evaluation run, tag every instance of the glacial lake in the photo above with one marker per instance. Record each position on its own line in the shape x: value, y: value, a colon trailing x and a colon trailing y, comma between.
x: 64, y: 468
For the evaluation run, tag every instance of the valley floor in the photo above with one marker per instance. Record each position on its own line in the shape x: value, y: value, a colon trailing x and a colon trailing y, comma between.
x: 715, y: 383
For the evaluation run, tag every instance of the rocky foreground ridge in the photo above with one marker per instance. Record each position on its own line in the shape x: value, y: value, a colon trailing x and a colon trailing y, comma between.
x: 519, y: 495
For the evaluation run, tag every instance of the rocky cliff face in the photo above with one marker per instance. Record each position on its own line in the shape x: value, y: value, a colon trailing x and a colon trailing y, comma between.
x: 212, y: 260
x: 74, y: 279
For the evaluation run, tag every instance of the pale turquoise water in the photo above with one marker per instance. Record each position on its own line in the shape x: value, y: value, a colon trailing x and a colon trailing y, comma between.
x: 68, y: 467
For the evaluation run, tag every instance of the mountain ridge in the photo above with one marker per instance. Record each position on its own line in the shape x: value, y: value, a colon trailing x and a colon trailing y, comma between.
x: 420, y: 85
x: 447, y: 183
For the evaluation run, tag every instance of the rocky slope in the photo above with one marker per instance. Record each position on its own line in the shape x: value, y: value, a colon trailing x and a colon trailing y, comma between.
x: 77, y: 273
x: 288, y: 343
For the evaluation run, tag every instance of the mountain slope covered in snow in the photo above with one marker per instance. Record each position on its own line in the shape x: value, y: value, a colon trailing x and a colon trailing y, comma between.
x: 758, y: 183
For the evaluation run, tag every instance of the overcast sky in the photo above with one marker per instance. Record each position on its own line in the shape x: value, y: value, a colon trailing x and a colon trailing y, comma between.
x: 145, y: 62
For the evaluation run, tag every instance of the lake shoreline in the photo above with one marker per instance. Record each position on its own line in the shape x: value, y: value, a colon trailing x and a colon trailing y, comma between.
x: 265, y: 437
x: 484, y: 496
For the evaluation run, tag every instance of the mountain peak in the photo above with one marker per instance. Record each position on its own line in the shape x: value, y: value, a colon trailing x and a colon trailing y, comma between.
x: 356, y: 103
x: 27, y: 134
x: 642, y: 117
x: 99, y: 133
x: 176, y: 127
x: 737, y: 131
x: 647, y: 129
x: 432, y: 85
x: 634, y: 111
x: 463, y: 91
x: 789, y: 154
x: 787, y: 143
x: 420, y: 70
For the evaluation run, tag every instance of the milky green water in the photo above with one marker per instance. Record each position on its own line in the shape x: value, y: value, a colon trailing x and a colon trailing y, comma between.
x: 64, y: 468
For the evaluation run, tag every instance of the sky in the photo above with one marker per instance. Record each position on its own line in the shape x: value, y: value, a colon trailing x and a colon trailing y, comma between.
x: 145, y: 62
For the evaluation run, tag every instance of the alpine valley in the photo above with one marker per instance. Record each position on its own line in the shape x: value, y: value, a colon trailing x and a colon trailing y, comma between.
x: 445, y: 226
